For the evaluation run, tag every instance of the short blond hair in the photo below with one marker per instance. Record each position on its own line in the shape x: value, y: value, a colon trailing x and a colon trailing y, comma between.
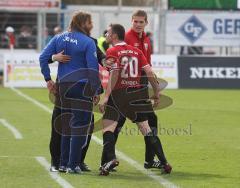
x: 140, y: 13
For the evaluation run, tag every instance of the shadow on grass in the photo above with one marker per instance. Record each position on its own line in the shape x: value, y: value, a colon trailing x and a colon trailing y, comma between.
x: 120, y: 175
x: 177, y: 175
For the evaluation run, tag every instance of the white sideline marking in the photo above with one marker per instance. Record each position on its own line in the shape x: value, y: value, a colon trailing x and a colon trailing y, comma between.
x: 139, y: 167
x: 121, y: 155
x: 7, y: 156
x: 54, y: 175
x: 32, y: 100
x: 11, y: 128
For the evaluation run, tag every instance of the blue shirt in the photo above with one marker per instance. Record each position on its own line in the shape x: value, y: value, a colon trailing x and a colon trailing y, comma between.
x: 82, y: 50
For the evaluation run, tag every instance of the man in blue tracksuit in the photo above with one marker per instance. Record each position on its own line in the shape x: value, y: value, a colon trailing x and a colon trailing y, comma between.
x: 78, y: 84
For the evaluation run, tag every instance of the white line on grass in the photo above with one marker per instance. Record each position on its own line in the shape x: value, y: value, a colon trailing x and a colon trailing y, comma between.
x: 32, y: 100
x: 139, y: 167
x: 42, y: 160
x: 15, y: 156
x: 55, y: 176
x: 11, y: 128
x: 121, y: 155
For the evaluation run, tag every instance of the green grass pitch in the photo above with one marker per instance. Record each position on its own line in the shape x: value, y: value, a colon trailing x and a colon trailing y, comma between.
x: 200, y: 133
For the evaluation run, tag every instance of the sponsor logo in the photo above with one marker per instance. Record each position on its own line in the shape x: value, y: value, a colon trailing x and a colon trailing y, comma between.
x: 163, y: 64
x: 215, y: 72
x: 193, y: 29
x: 226, y: 26
x: 129, y: 82
x: 71, y: 40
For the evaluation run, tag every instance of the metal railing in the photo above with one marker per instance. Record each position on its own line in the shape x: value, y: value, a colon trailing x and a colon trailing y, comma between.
x: 38, y: 26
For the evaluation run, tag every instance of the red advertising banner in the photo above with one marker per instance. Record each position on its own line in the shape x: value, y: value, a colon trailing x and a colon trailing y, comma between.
x: 30, y: 3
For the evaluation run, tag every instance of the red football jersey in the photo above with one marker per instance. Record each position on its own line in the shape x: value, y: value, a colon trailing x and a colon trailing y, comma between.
x: 132, y: 38
x: 129, y: 61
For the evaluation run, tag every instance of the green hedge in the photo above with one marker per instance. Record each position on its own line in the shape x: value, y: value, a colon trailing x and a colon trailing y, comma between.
x: 203, y: 4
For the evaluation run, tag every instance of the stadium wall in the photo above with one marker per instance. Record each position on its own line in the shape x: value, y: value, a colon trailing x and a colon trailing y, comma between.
x: 209, y: 72
x: 203, y: 28
x: 21, y: 69
x: 42, y: 22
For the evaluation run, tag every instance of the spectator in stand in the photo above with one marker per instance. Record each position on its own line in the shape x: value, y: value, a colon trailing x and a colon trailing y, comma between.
x: 8, y: 40
x: 191, y: 50
x: 26, y: 40
x: 47, y: 36
x: 57, y: 30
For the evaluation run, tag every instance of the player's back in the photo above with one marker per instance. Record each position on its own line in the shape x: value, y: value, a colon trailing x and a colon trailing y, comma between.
x: 74, y: 44
x: 129, y: 61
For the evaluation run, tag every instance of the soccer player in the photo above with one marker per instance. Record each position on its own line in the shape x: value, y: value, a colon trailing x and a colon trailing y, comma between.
x: 136, y: 37
x: 125, y: 95
x: 78, y: 85
x: 55, y: 141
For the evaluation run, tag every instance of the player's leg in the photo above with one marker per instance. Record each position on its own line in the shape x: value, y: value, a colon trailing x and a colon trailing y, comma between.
x: 78, y: 139
x: 65, y: 148
x: 147, y: 113
x: 112, y: 114
x: 156, y: 144
x: 152, y: 120
x: 56, y: 129
x: 108, y: 146
x: 157, y: 147
x: 110, y: 120
x: 149, y: 152
x: 81, y: 108
x: 65, y: 137
x: 108, y: 139
x: 120, y: 124
x: 55, y: 141
x: 83, y: 165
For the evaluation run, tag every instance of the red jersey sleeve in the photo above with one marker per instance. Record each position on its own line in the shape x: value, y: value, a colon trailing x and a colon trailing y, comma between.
x: 111, y: 56
x: 143, y: 59
x: 149, y: 52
